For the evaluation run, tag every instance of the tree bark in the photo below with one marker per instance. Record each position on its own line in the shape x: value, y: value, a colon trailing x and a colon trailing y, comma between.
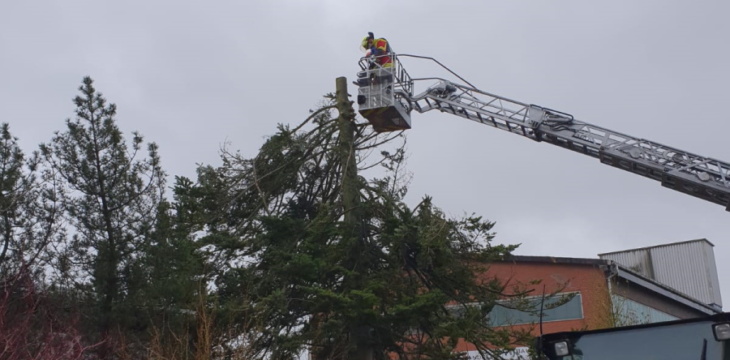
x: 351, y: 205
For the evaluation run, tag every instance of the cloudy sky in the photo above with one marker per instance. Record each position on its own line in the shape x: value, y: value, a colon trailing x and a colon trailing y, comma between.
x: 193, y: 76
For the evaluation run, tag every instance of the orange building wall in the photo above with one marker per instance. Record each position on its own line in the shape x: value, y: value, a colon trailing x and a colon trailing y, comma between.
x: 589, y: 280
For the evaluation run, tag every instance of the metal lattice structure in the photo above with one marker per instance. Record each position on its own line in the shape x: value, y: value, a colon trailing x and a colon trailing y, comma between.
x: 388, y: 108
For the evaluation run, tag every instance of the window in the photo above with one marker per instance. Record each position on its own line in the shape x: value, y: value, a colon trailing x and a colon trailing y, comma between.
x: 629, y: 312
x: 565, y: 306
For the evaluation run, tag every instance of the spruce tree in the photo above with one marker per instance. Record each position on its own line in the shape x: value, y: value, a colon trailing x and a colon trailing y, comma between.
x: 295, y: 270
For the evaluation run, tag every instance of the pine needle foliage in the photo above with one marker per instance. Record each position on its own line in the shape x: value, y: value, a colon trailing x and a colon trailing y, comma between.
x: 108, y: 192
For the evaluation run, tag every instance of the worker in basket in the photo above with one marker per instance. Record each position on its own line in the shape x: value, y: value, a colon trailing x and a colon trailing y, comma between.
x: 379, y: 49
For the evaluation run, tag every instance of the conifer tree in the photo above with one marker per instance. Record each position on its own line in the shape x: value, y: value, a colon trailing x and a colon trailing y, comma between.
x: 174, y: 267
x: 110, y: 197
x: 292, y: 276
x: 28, y: 212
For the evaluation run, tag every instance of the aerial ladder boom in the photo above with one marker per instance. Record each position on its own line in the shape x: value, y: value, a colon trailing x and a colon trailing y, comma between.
x: 386, y: 99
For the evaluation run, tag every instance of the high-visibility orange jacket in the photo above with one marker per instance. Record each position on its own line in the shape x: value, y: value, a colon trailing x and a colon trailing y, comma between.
x: 381, y: 49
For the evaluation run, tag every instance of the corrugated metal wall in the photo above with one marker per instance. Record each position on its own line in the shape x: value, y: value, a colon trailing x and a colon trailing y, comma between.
x: 688, y: 267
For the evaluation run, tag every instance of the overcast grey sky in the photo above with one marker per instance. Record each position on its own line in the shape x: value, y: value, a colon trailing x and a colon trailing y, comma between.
x: 193, y: 75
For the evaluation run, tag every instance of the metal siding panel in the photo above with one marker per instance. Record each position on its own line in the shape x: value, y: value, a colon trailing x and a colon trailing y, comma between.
x: 634, y: 260
x: 681, y: 267
x: 713, y: 275
x: 688, y: 267
x: 697, y: 274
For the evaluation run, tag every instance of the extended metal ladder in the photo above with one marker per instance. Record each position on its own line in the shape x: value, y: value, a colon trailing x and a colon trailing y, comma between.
x: 387, y: 105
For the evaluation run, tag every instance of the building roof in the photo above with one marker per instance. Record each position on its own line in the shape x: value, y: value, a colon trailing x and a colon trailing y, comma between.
x: 658, y: 246
x: 556, y: 260
x: 612, y: 267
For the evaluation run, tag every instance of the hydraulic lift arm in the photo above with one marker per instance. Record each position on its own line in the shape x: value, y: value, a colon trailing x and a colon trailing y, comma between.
x: 386, y: 99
